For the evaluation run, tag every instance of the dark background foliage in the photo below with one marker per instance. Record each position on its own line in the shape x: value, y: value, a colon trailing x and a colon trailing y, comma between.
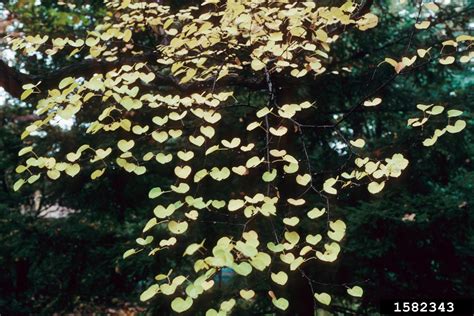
x: 416, y: 239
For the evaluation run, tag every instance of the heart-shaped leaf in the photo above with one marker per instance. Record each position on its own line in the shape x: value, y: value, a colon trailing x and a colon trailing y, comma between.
x: 180, y: 305
x: 292, y: 221
x: 375, y: 187
x: 315, y: 213
x: 247, y: 294
x: 177, y: 227
x: 281, y: 303
x: 125, y: 145
x: 313, y: 239
x: 269, y: 176
x: 323, y: 298
x: 182, y: 172
x: 355, y: 291
x: 279, y: 278
x: 303, y: 179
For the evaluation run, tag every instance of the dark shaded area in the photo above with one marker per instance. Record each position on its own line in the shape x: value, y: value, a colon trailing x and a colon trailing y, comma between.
x: 415, y: 240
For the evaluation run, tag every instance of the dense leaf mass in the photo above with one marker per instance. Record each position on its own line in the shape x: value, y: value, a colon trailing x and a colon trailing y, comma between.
x: 246, y: 139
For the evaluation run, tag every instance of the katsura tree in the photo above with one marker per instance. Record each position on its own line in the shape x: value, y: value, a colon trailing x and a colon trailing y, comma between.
x: 211, y: 103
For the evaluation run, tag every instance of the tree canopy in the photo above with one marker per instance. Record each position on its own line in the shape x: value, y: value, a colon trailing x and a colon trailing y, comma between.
x: 253, y: 126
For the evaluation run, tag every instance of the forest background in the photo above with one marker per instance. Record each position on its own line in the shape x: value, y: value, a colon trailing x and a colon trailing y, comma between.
x: 61, y: 245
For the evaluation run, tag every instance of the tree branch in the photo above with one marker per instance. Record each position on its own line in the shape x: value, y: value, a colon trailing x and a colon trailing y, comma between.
x: 11, y: 79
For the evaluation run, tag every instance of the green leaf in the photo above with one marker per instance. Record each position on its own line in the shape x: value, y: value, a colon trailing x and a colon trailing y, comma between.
x: 269, y: 176
x: 180, y: 305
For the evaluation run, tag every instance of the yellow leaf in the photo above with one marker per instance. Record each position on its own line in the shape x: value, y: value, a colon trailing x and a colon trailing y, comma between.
x: 192, y: 248
x: 279, y: 278
x: 313, y: 239
x: 323, y: 298
x: 454, y: 113
x: 25, y: 150
x: 92, y: 41
x: 338, y: 229
x: 292, y: 237
x: 355, y: 291
x: 66, y: 82
x: 247, y: 294
x: 175, y: 133
x: 240, y: 170
x: 359, y: 143
x: 129, y: 252
x: 278, y: 132
x: 53, y: 174
x: 281, y: 303
x: 430, y: 141
x: 127, y: 35
x: 198, y: 141
x: 373, y: 102
x: 150, y: 224
x: 18, y: 184
x: 97, y: 173
x: 368, y: 21
x: 458, y: 126
x: 232, y: 144
x: 257, y: 64
x: 125, y: 145
x: 150, y: 292
x: 435, y: 110
x: 163, y: 158
x: 177, y: 227
x: 162, y: 212
x: 315, y: 213
x: 422, y: 25
x: 160, y: 137
x: 291, y: 221
x: 432, y: 6
x: 422, y: 52
x: 328, y: 186
x: 375, y: 187
x: 26, y: 94
x: 73, y: 169
x: 261, y: 113
x: 448, y: 60
x: 180, y: 305
x: 298, y: 73
x: 226, y: 306
x: 296, y: 202
x: 185, y: 156
x: 189, y: 75
x: 182, y: 172
x: 235, y: 204
x: 207, y: 131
